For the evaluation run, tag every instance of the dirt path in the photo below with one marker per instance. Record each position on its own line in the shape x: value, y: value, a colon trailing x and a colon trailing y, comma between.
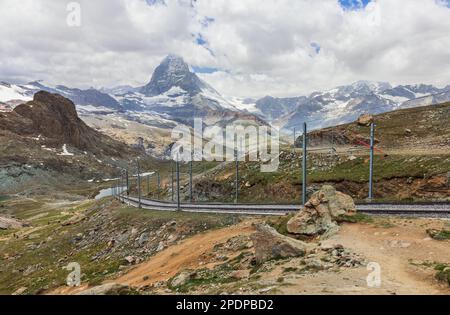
x: 400, y: 247
x: 186, y: 255
x: 394, y: 249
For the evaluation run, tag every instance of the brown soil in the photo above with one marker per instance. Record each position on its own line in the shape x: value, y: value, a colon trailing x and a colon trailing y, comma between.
x: 399, y: 250
x: 186, y: 255
x: 435, y: 187
x: 400, y: 246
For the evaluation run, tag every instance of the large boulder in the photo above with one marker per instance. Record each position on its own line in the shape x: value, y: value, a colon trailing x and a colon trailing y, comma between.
x: 11, y: 223
x: 365, y: 120
x: 182, y: 278
x: 269, y: 244
x: 319, y: 214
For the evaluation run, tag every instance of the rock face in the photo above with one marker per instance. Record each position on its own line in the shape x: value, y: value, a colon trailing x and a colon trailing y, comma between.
x: 269, y: 244
x: 317, y: 217
x: 10, y: 223
x: 173, y: 72
x: 365, y: 120
x: 54, y: 118
x: 182, y: 278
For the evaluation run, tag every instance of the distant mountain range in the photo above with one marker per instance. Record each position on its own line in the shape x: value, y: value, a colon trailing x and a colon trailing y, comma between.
x: 345, y: 103
x: 175, y: 95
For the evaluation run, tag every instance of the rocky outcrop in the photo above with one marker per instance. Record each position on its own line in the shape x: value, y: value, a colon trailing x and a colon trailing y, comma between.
x: 269, y: 244
x: 365, y: 120
x: 319, y: 214
x: 53, y: 120
x: 182, y: 278
x: 10, y: 223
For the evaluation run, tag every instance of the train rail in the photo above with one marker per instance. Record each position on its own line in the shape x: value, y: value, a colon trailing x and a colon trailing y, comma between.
x: 441, y: 210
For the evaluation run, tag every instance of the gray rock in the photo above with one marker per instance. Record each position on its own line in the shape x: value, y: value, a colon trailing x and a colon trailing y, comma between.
x: 107, y: 289
x: 317, y: 264
x: 10, y: 223
x: 269, y: 244
x: 160, y: 247
x: 143, y: 239
x: 317, y: 217
x: 181, y: 279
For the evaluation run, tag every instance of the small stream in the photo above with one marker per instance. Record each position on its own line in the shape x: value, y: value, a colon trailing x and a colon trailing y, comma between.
x: 107, y: 192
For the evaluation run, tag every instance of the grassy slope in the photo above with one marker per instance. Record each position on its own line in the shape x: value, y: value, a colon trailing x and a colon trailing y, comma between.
x: 427, y: 125
x: 49, y: 246
x: 430, y: 128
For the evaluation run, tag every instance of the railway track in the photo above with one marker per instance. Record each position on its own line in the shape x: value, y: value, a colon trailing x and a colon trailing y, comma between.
x: 441, y: 210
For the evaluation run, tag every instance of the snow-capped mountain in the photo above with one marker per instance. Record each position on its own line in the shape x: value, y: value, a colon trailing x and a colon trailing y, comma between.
x: 173, y: 72
x: 345, y: 103
x: 90, y: 99
x: 176, y: 93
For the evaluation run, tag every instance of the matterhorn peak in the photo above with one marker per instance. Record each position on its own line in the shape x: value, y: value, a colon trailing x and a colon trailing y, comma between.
x: 172, y: 72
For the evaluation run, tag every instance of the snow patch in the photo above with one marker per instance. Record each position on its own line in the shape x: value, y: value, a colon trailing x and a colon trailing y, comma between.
x: 65, y: 152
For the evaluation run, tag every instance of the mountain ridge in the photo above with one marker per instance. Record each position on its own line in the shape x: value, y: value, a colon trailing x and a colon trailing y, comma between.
x: 175, y: 95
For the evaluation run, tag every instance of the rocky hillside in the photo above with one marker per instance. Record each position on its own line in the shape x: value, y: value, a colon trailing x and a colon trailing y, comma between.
x: 45, y: 142
x: 412, y: 162
x: 54, y: 119
x: 425, y: 128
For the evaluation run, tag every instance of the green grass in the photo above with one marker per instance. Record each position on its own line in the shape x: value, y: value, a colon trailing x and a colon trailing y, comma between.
x: 56, y: 247
x: 280, y: 224
x: 3, y: 198
x: 439, y: 235
x: 384, y: 168
x: 355, y: 218
x: 442, y: 270
x: 443, y: 273
x: 206, y: 277
x: 284, y: 185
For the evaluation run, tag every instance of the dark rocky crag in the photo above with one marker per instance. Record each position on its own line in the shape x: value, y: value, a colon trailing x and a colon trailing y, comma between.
x: 43, y: 143
x: 55, y: 118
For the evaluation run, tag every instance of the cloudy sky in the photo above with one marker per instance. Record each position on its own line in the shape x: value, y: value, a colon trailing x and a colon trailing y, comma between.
x: 246, y: 48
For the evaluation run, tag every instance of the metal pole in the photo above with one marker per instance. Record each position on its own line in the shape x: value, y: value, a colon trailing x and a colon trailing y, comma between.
x: 158, y: 183
x: 121, y: 185
x: 128, y: 182
x: 191, y: 188
x: 332, y: 142
x: 178, y: 184
x: 118, y: 187
x: 305, y: 139
x: 139, y: 182
x: 173, y: 190
x: 236, y: 197
x: 293, y: 146
x: 372, y: 143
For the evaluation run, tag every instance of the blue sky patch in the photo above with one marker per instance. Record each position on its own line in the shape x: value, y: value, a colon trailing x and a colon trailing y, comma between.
x: 200, y: 40
x: 155, y: 2
x: 316, y: 47
x: 204, y: 69
x: 445, y: 3
x: 207, y: 21
x: 353, y: 4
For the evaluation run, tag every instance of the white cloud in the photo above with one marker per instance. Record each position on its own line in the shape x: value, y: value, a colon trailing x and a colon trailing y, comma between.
x: 263, y: 47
